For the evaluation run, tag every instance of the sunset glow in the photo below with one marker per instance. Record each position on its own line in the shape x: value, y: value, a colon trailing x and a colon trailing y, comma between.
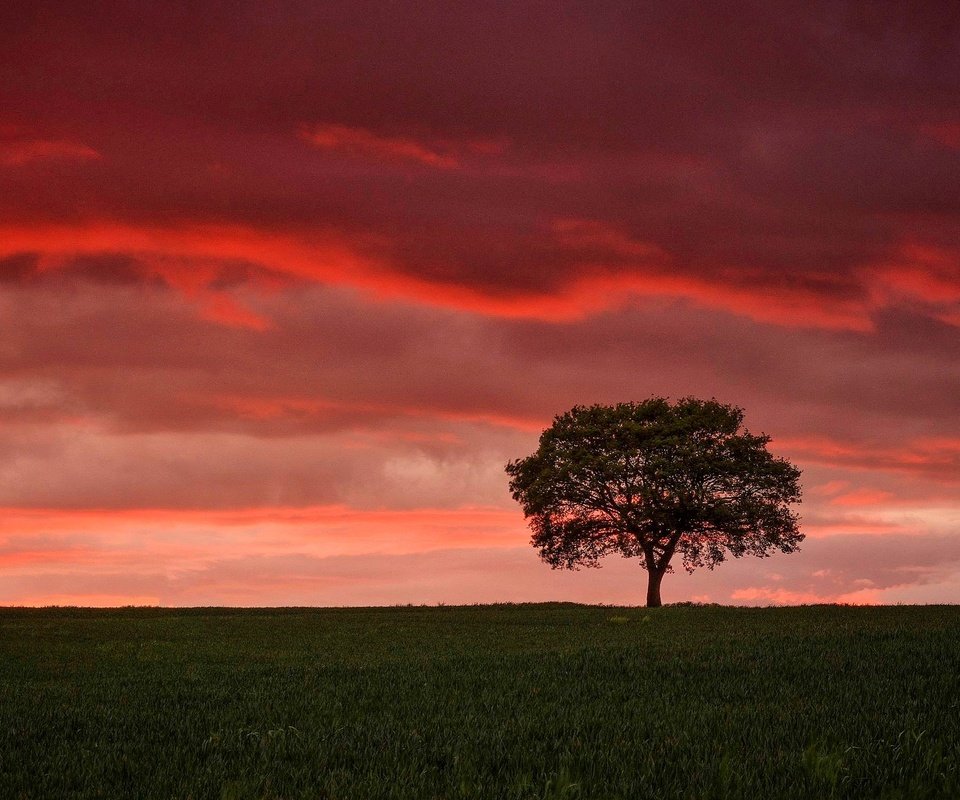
x: 281, y: 294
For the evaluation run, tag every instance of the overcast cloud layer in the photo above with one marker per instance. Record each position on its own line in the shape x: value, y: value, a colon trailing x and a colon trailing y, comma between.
x: 284, y: 285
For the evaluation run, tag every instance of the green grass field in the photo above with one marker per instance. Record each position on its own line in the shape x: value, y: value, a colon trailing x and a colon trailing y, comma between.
x: 530, y: 701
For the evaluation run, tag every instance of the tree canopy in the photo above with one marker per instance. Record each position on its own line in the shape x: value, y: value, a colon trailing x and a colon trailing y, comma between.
x: 652, y: 480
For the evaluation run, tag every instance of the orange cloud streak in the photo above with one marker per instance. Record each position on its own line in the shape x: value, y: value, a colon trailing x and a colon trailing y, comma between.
x: 755, y: 594
x: 862, y: 497
x: 15, y: 154
x: 328, y: 259
x: 938, y: 456
x: 221, y: 307
x: 359, y: 141
x: 280, y: 407
x: 191, y: 256
x: 318, y: 530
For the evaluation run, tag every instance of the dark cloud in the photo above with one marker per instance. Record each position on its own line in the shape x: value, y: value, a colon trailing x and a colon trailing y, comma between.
x: 787, y: 140
x: 18, y: 269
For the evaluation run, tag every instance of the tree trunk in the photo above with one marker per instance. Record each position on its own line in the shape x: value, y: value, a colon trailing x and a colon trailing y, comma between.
x: 654, y: 577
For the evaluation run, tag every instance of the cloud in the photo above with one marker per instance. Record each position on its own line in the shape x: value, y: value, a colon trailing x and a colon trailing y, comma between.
x: 612, y: 270
x: 886, y: 571
x: 282, y: 259
x: 946, y: 133
x: 134, y: 358
x: 223, y: 570
x: 18, y: 153
x: 862, y: 497
x: 188, y: 538
x: 935, y: 458
x: 761, y: 595
x: 222, y: 308
x: 357, y: 141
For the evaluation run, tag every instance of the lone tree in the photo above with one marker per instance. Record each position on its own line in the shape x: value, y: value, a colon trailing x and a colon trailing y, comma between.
x: 650, y: 480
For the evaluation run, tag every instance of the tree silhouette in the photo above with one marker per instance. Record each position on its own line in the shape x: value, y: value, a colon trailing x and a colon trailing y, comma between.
x: 653, y: 479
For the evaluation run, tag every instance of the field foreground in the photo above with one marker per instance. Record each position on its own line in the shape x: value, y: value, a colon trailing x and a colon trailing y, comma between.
x: 529, y: 701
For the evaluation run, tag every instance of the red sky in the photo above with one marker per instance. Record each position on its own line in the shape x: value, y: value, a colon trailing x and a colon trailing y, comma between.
x: 284, y: 285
